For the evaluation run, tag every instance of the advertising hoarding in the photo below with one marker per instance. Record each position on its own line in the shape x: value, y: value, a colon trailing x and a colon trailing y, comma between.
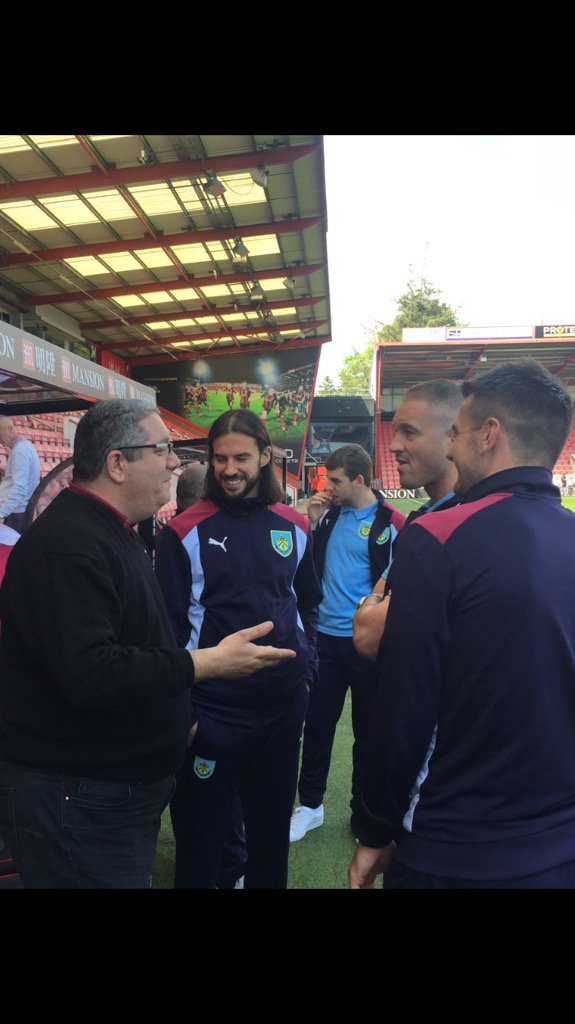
x: 276, y: 385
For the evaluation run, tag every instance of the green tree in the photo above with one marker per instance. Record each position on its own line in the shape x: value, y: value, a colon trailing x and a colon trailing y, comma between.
x: 419, y: 306
x: 355, y: 374
x: 327, y: 387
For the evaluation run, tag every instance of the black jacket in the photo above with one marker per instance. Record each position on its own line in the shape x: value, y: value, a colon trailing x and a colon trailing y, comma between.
x: 91, y: 680
x: 378, y: 545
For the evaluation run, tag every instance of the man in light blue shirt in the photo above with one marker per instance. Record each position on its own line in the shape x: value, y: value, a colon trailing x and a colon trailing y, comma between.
x: 21, y: 478
x: 353, y: 540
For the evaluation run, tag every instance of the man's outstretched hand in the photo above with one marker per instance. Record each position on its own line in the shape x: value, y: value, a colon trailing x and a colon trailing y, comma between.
x: 237, y: 655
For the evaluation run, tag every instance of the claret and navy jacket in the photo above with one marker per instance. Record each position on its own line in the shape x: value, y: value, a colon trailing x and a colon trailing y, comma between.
x: 224, y: 566
x: 478, y: 694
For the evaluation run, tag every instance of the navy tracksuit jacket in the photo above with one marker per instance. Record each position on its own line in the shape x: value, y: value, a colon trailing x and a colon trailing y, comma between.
x: 224, y: 567
x: 478, y: 698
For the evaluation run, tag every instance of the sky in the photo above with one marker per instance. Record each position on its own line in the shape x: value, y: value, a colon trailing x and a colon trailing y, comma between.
x: 487, y: 219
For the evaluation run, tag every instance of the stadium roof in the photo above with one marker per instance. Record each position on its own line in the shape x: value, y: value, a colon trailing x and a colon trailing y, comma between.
x: 149, y: 246
x: 401, y: 365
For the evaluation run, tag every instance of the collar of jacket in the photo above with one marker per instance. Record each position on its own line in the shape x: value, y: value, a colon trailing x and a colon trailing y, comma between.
x: 519, y: 478
x: 243, y: 507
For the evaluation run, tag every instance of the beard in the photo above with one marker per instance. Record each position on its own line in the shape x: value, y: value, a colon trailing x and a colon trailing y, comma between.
x: 247, y: 484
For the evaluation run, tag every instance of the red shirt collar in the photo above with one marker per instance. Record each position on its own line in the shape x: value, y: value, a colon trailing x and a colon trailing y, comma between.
x: 95, y: 497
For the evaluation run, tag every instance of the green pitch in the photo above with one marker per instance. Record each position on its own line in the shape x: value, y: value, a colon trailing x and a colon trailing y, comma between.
x: 292, y: 437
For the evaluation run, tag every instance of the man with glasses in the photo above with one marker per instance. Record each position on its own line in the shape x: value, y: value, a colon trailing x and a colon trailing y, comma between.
x: 94, y: 692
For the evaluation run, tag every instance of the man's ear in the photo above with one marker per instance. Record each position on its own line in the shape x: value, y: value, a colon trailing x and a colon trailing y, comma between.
x: 491, y: 433
x: 266, y: 455
x: 115, y: 466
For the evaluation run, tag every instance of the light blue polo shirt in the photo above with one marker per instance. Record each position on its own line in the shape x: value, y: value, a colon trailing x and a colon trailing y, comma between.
x: 347, y: 571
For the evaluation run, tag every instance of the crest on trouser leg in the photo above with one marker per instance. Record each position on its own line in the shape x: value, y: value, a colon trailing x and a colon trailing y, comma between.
x: 204, y: 768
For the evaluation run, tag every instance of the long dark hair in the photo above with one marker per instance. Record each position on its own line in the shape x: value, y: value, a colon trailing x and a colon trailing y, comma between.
x: 243, y: 421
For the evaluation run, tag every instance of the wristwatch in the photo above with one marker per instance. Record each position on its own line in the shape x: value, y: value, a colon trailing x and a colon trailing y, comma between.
x: 367, y: 597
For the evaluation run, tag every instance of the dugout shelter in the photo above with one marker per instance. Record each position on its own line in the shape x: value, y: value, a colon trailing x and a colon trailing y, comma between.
x: 456, y: 353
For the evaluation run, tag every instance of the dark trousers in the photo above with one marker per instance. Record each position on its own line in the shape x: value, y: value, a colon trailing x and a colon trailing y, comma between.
x: 401, y: 877
x: 340, y: 667
x: 77, y: 833
x: 227, y: 761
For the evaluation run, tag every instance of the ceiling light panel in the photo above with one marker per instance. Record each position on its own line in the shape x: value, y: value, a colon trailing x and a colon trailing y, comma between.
x: 103, y: 138
x: 128, y: 300
x: 121, y: 261
x: 196, y: 253
x: 217, y: 251
x: 155, y: 200
x: 272, y: 284
x: 12, y: 144
x: 188, y: 195
x: 28, y: 215
x: 110, y: 205
x: 87, y: 266
x: 216, y: 290
x: 69, y: 209
x: 156, y: 297
x: 237, y: 317
x: 155, y: 258
x: 263, y: 245
x: 45, y: 141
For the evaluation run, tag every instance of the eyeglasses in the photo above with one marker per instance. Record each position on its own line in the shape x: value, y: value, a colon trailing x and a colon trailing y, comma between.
x: 162, y: 446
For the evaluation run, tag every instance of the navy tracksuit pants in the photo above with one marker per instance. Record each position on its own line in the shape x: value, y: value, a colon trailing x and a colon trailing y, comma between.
x: 340, y: 668
x: 256, y: 763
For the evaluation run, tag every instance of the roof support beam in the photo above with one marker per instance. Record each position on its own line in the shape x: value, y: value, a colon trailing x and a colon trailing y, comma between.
x: 96, y: 178
x: 67, y: 252
x: 216, y: 335
x: 188, y: 314
x: 170, y: 286
x: 184, y: 357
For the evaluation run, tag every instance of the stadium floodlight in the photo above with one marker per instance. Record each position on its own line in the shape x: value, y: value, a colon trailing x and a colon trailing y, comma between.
x: 213, y: 185
x: 289, y: 282
x: 257, y: 293
x: 240, y: 252
x: 259, y: 176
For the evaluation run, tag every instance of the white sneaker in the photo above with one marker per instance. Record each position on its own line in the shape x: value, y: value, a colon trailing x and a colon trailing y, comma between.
x: 303, y: 820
